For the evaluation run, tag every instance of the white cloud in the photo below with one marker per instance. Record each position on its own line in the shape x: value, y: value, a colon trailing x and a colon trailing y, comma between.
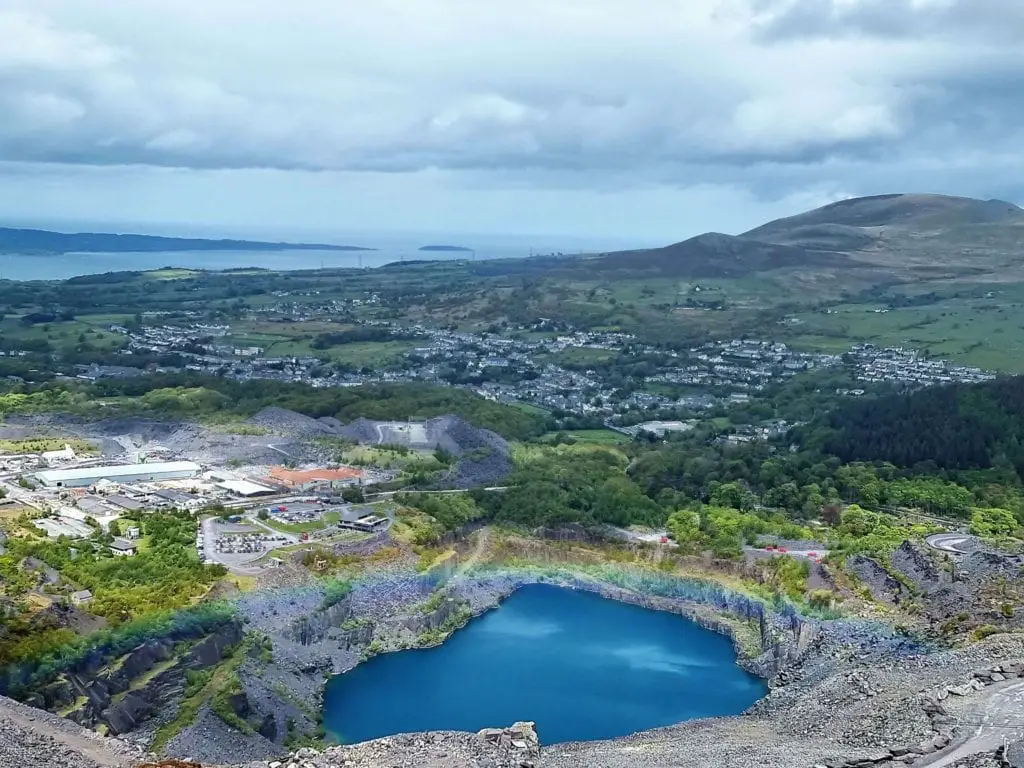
x: 768, y: 97
x: 446, y: 83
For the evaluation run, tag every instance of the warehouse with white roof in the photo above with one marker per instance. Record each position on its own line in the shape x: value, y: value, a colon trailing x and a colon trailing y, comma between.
x: 81, y: 477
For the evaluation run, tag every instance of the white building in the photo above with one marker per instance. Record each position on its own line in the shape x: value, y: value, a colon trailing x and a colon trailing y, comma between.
x: 63, y: 456
x: 81, y: 477
x: 122, y: 548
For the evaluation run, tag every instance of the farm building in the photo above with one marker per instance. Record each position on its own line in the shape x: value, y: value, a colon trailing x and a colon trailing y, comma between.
x: 81, y: 477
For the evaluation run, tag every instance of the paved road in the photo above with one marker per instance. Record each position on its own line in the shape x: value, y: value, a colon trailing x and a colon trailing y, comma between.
x: 956, y: 543
x: 997, y: 720
x: 389, y: 494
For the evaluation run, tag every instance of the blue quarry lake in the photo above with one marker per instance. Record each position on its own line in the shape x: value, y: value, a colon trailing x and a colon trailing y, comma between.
x: 582, y: 666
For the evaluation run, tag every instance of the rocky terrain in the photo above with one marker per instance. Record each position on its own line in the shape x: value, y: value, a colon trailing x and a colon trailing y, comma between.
x: 848, y: 692
x: 950, y: 592
x: 31, y: 738
x: 483, y: 457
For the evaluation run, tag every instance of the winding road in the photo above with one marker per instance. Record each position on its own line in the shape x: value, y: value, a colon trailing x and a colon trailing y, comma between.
x: 955, y: 543
x: 997, y: 721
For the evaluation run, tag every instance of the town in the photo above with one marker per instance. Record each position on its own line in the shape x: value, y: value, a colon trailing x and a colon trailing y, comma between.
x: 553, y: 367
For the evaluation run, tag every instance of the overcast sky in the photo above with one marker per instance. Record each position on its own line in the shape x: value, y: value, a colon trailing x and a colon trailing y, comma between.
x: 646, y: 120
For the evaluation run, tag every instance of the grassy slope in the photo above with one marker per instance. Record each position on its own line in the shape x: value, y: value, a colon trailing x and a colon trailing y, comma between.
x: 984, y: 332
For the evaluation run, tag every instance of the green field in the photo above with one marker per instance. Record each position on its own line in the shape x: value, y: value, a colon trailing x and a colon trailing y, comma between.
x: 359, y: 354
x: 362, y: 455
x: 88, y: 329
x: 294, y: 527
x: 41, y: 444
x: 532, y: 409
x: 983, y: 332
x: 171, y: 273
x: 596, y: 436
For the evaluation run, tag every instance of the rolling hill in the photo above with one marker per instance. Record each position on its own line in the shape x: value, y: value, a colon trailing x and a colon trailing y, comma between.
x: 716, y: 255
x: 899, y: 236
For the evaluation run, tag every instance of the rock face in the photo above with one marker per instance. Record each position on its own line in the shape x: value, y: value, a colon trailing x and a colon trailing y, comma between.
x: 918, y: 568
x: 985, y: 565
x: 881, y: 583
x: 435, y: 619
x: 314, y: 628
x: 114, y: 697
x: 484, y: 457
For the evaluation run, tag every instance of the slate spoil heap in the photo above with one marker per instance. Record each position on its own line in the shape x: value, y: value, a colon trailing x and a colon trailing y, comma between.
x: 513, y: 747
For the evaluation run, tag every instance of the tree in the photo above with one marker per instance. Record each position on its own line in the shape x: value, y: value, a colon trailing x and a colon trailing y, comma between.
x: 993, y: 523
x: 832, y: 514
x: 733, y: 495
x: 353, y: 494
x: 684, y: 527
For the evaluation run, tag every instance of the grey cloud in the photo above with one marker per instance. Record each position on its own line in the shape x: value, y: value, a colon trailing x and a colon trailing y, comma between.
x: 776, y: 96
x: 988, y: 20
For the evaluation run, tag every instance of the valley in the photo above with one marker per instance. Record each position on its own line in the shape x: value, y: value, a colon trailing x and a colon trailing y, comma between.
x: 223, y: 489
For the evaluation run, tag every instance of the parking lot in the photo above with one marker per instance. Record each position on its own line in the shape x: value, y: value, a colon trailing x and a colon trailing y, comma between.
x: 235, y: 544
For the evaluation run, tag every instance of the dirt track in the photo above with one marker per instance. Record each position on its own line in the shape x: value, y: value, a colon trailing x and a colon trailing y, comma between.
x: 30, y: 738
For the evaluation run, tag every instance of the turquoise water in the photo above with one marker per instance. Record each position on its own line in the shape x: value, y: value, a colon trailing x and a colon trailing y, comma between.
x: 581, y: 666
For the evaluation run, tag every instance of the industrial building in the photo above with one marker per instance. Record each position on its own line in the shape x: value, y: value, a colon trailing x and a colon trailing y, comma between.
x: 315, y: 479
x: 359, y: 519
x: 245, y: 488
x: 81, y: 477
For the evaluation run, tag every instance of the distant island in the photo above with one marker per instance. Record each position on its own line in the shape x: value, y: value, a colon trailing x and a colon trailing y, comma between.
x: 42, y: 241
x: 446, y: 248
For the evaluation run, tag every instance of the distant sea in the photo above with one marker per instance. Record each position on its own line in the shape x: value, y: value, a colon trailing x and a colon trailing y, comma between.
x: 389, y: 249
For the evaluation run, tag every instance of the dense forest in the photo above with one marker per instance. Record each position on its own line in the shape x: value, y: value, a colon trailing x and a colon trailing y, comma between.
x: 961, y: 427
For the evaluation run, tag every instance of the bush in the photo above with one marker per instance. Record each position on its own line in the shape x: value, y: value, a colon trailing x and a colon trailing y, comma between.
x: 821, y: 599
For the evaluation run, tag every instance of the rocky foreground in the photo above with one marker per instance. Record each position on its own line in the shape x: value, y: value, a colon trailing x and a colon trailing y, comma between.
x: 856, y: 701
x: 847, y: 693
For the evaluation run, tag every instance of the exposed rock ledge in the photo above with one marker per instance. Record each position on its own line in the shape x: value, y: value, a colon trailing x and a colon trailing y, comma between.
x: 513, y: 747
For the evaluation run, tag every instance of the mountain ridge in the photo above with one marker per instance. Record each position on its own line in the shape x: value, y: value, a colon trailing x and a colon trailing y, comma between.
x: 902, y: 234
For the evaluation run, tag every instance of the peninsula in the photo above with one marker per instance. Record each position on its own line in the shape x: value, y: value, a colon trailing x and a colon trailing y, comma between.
x: 45, y: 241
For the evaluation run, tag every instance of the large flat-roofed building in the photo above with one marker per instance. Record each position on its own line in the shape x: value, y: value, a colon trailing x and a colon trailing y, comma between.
x: 315, y: 479
x: 81, y: 477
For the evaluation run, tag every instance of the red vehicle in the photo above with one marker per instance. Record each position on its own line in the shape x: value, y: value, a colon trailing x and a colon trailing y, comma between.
x: 812, y: 554
x: 783, y: 550
x: 305, y: 537
x: 663, y: 540
x: 770, y: 547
